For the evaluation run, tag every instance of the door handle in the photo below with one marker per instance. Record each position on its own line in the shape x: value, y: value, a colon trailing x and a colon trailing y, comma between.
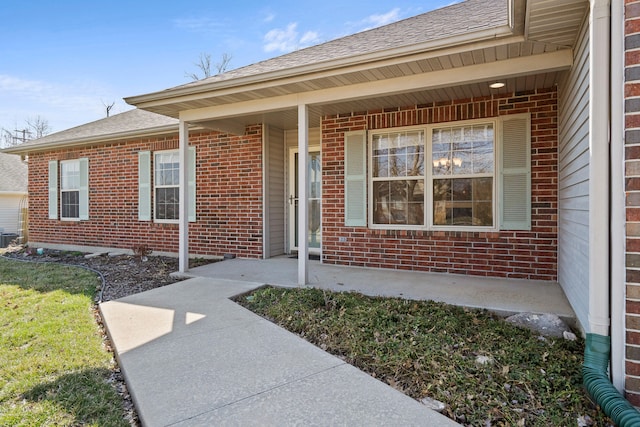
x: 291, y: 199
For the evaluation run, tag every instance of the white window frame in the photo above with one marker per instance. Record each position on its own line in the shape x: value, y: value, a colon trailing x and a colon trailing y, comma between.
x: 429, y: 176
x: 64, y: 190
x: 156, y: 186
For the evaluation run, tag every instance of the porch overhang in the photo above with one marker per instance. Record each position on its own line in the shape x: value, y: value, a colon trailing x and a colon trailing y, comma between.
x: 520, y: 74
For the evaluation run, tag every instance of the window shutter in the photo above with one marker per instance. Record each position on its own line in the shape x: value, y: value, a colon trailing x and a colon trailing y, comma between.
x: 83, y: 210
x: 53, y: 189
x: 516, y: 173
x: 355, y: 179
x: 191, y: 185
x: 144, y: 186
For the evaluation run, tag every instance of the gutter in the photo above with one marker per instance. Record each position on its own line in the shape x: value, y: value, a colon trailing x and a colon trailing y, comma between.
x: 96, y: 139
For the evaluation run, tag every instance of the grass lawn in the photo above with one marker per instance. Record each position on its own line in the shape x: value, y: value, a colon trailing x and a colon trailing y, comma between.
x: 54, y: 369
x: 428, y: 349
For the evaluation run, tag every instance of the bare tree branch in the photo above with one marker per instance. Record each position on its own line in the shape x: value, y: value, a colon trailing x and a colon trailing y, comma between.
x: 38, y: 126
x: 224, y: 63
x: 204, y: 66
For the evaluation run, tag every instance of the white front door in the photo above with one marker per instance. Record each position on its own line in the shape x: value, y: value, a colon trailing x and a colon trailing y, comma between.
x: 315, y: 199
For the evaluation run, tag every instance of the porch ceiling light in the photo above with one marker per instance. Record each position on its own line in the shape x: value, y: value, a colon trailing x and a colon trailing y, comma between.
x: 496, y: 85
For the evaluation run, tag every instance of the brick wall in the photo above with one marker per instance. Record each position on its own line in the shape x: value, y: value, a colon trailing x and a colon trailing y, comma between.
x: 527, y: 255
x: 632, y: 182
x: 229, y: 197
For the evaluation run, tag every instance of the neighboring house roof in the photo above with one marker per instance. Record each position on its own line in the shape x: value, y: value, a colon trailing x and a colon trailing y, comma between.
x: 132, y: 123
x: 13, y: 174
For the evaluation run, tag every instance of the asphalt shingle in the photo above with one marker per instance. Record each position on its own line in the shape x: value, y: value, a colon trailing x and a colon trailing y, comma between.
x: 13, y: 173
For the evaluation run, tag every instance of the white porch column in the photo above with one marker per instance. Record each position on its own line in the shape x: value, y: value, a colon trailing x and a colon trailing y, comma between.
x: 303, y: 196
x: 183, y: 247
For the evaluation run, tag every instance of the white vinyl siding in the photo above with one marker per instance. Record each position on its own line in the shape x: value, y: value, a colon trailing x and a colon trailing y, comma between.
x: 355, y: 179
x: 10, y: 212
x: 275, y: 216
x: 573, y: 181
x: 53, y: 189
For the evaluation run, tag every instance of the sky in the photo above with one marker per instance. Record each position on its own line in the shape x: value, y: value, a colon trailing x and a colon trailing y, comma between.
x: 65, y: 60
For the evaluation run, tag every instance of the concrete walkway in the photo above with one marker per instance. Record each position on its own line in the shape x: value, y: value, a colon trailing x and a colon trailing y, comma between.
x: 192, y: 357
x: 504, y: 296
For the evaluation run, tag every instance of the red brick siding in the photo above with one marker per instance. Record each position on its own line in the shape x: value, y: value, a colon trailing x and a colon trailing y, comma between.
x: 526, y: 255
x: 229, y: 197
x: 632, y: 184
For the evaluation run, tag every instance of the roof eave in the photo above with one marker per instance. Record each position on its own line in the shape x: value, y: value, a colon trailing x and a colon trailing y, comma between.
x: 13, y: 193
x: 502, y: 31
x: 97, y: 139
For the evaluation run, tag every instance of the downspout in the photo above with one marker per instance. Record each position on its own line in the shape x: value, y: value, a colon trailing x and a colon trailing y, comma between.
x: 618, y: 208
x: 601, y: 277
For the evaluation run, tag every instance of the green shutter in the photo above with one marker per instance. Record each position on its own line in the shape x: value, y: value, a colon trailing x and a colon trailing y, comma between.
x: 515, y: 173
x: 355, y: 179
x: 83, y: 211
x: 53, y: 189
x: 144, y: 186
x: 191, y: 185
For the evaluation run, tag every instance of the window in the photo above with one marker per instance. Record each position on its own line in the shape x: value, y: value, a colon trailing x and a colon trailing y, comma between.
x: 463, y: 167
x: 167, y: 182
x: 70, y: 189
x: 163, y: 180
x: 454, y: 188
x: 398, y: 178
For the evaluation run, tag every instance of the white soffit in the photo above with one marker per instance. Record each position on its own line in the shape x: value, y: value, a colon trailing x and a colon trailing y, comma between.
x: 555, y: 22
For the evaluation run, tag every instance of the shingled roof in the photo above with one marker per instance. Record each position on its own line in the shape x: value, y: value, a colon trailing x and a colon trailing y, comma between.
x: 441, y: 24
x: 13, y: 174
x: 128, y: 124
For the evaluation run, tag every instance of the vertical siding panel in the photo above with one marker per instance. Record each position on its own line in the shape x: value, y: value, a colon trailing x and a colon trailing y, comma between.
x: 573, y: 186
x: 277, y: 191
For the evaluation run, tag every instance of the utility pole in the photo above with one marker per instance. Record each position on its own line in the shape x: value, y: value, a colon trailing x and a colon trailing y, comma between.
x: 24, y: 132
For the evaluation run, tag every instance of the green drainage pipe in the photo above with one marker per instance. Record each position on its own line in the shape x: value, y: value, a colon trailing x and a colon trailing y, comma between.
x: 596, y: 379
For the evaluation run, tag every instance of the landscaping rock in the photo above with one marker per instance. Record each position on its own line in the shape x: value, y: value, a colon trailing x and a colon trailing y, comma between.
x: 433, y: 404
x: 545, y: 324
x: 484, y: 360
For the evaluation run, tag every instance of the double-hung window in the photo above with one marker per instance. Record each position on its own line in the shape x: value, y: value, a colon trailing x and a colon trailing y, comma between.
x: 159, y: 185
x: 398, y: 178
x: 462, y: 184
x: 69, y: 185
x: 70, y: 189
x: 167, y: 185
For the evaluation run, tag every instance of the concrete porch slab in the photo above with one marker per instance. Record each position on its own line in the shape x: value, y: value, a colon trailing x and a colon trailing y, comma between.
x: 504, y: 296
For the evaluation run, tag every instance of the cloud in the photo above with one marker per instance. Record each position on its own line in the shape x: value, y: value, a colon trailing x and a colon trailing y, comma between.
x: 288, y: 39
x: 199, y: 25
x: 270, y: 16
x: 385, y: 18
